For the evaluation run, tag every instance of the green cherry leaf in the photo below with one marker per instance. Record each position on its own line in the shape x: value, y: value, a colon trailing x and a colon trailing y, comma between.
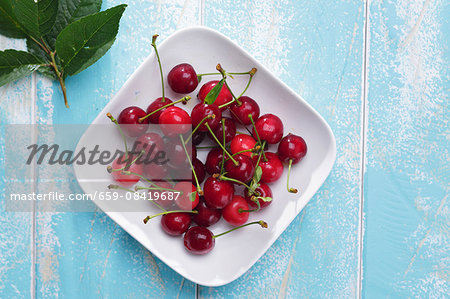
x: 36, y: 16
x: 214, y: 93
x: 9, y: 26
x: 86, y: 40
x: 16, y: 64
x: 266, y: 199
x: 68, y: 12
x: 258, y: 174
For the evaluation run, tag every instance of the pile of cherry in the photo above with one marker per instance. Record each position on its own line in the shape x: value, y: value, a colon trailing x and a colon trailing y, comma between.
x: 237, y: 161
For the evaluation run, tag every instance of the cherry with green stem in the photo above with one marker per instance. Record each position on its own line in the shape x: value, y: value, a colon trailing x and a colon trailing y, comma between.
x: 257, y: 136
x: 222, y: 177
x: 200, y: 240
x: 182, y: 100
x: 292, y: 149
x: 223, y: 148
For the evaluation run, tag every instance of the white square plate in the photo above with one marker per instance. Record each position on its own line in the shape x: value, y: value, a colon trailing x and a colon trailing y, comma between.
x: 235, y: 253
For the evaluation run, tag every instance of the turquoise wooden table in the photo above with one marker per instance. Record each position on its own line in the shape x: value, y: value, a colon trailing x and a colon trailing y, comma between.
x: 378, y: 71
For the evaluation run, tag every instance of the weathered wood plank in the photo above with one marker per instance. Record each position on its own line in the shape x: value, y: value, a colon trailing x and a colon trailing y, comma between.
x: 87, y: 254
x: 316, y: 47
x: 406, y: 246
x: 16, y: 239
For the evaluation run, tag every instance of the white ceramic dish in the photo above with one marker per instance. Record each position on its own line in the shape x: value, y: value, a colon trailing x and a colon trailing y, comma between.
x: 233, y: 254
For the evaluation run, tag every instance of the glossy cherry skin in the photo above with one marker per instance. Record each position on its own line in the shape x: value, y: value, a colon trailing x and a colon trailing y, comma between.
x: 206, y: 216
x: 124, y: 179
x: 272, y: 169
x: 217, y: 193
x: 231, y: 212
x: 151, y: 143
x: 156, y: 195
x: 243, y: 171
x: 200, y: 171
x: 240, y: 112
x: 176, y: 153
x: 223, y: 97
x: 155, y: 105
x: 270, y: 128
x: 199, y: 240
x: 183, y: 201
x: 198, y: 137
x: 214, y: 160
x: 175, y: 224
x: 263, y: 191
x: 230, y: 130
x: 182, y: 78
x: 292, y: 147
x: 174, y: 121
x: 155, y: 172
x: 200, y: 111
x: 242, y: 142
x: 129, y: 121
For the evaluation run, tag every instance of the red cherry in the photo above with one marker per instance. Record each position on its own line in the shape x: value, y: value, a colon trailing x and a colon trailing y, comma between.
x: 217, y: 193
x: 175, y: 224
x: 269, y: 128
x: 155, y: 172
x: 292, y: 147
x: 242, y: 142
x: 199, y: 240
x: 272, y: 169
x: 129, y: 121
x: 183, y: 78
x: 198, y: 137
x: 223, y: 97
x: 262, y: 191
x: 155, y: 105
x: 177, y: 155
x: 200, y: 111
x: 206, y: 216
x: 184, y: 200
x: 151, y: 143
x: 230, y: 130
x: 214, y: 160
x: 174, y: 121
x: 240, y: 112
x: 124, y: 179
x: 199, y: 169
x: 243, y: 171
x: 156, y: 195
x: 233, y: 214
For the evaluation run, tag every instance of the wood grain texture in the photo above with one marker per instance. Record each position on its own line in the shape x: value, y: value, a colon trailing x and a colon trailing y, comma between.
x: 16, y: 238
x: 406, y: 244
x: 316, y: 47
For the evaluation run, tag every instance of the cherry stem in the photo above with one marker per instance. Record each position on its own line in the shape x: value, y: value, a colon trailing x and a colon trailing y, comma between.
x: 199, y: 189
x: 146, y: 219
x: 147, y: 180
x: 251, y: 73
x: 199, y: 76
x: 112, y: 186
x: 110, y: 169
x: 159, y: 63
x: 206, y: 147
x: 291, y: 190
x: 224, y: 76
x: 263, y: 224
x: 257, y: 135
x: 248, y: 150
x: 210, y: 116
x: 223, y: 148
x: 121, y: 133
x: 184, y: 100
x: 224, y: 178
x: 260, y: 153
x: 223, y: 156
